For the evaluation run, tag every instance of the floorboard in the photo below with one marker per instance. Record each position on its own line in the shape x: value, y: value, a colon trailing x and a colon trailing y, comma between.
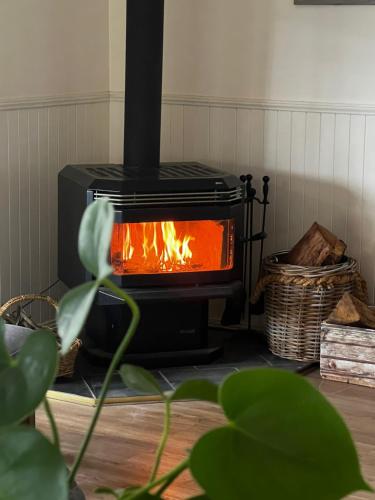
x: 127, y: 436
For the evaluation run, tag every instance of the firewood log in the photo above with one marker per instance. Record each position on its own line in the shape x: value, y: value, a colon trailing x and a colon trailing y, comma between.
x: 316, y: 248
x: 352, y: 311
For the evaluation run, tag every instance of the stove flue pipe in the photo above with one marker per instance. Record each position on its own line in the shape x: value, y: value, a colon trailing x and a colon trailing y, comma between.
x: 143, y: 82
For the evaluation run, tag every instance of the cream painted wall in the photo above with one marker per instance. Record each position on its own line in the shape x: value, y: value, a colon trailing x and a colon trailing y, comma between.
x: 54, y: 81
x: 53, y: 47
x: 265, y: 49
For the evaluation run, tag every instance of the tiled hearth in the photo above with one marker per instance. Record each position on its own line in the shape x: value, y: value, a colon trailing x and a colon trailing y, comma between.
x: 242, y: 350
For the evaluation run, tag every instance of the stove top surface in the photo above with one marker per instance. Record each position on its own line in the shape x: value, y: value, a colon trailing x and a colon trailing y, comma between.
x: 168, y: 178
x: 187, y: 170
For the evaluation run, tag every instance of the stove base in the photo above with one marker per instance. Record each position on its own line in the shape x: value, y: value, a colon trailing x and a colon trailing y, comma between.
x: 156, y: 359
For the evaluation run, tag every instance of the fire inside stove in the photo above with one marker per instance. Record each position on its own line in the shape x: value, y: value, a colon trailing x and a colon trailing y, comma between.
x: 172, y: 246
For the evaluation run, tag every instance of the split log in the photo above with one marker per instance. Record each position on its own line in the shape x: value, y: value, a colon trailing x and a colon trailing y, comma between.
x: 351, y: 311
x: 316, y: 248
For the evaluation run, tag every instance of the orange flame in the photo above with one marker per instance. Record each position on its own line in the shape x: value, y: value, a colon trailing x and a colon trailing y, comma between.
x: 167, y: 246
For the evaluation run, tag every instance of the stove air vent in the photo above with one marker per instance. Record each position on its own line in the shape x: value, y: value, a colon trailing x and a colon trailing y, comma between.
x: 120, y: 201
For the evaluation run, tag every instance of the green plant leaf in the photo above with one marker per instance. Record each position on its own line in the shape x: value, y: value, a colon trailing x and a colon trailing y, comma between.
x: 95, y: 238
x: 73, y: 311
x: 196, y: 389
x: 284, y: 441
x: 139, y: 379
x: 108, y: 491
x: 31, y: 468
x: 5, y: 359
x: 13, y: 388
x: 24, y: 384
x: 199, y: 497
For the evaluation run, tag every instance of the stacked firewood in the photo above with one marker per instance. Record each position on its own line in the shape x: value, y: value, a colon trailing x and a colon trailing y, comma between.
x: 318, y: 247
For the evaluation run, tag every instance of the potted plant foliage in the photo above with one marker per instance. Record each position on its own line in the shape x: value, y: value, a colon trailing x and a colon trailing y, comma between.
x: 282, y: 439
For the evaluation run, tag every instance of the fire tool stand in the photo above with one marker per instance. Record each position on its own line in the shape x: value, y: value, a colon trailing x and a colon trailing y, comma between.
x: 250, y: 236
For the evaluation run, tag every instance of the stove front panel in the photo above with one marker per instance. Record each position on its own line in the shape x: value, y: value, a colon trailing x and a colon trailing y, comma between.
x: 179, y: 226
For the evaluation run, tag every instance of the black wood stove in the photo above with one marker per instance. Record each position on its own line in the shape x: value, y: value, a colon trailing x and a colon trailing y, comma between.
x: 177, y: 237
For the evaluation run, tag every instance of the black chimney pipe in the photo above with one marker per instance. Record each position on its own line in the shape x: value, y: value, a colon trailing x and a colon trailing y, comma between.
x: 143, y: 81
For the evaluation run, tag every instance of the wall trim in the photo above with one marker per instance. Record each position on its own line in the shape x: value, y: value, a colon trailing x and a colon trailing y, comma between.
x: 14, y: 103
x: 261, y: 104
x: 17, y: 103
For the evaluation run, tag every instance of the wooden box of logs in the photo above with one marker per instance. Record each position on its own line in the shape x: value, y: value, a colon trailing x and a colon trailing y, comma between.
x: 347, y: 352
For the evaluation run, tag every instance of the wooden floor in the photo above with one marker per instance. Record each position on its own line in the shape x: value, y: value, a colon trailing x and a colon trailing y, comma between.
x: 122, y: 451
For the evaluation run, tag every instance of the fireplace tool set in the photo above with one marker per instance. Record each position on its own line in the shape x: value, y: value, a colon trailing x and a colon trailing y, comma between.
x: 250, y: 237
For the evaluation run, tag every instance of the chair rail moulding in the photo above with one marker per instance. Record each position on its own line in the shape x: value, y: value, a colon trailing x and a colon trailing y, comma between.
x: 260, y: 104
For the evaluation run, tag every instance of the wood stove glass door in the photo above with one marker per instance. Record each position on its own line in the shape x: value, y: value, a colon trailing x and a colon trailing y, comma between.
x: 172, y: 247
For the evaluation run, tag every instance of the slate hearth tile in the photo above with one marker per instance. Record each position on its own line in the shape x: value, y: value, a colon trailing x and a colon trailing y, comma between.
x: 178, y: 375
x: 76, y: 386
x: 119, y: 390
x: 277, y: 361
x: 254, y: 362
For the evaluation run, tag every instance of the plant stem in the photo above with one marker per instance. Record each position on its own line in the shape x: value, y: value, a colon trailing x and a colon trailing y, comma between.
x: 112, y: 367
x: 171, y: 474
x: 163, y: 441
x: 55, y: 432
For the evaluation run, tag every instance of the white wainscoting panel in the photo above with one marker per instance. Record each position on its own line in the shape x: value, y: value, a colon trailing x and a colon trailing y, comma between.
x: 320, y: 157
x: 36, y: 141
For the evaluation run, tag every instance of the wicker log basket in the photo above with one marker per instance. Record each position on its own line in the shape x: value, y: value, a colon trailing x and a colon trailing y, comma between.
x: 67, y: 362
x: 298, y: 299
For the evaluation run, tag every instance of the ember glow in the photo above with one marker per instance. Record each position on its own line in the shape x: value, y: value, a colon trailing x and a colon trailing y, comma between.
x: 172, y: 246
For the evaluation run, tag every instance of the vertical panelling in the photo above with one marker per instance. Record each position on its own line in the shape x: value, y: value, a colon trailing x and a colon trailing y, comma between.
x: 355, y: 184
x: 283, y: 179
x: 23, y: 140
x: 242, y: 165
x: 171, y: 148
x: 312, y: 157
x: 116, y: 131
x: 45, y: 220
x: 54, y: 130
x: 297, y: 169
x: 222, y: 137
x: 257, y: 171
x: 83, y: 146
x: 320, y: 164
x: 326, y: 170
x: 229, y: 131
x: 14, y: 205
x: 368, y: 210
x: 34, y: 211
x: 34, y: 145
x: 257, y: 158
x: 196, y: 129
x: 215, y: 136
x: 270, y: 159
x: 5, y: 268
x: 340, y: 175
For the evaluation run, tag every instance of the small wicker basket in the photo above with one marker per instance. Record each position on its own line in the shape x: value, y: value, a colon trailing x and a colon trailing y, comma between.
x: 298, y: 299
x: 67, y: 362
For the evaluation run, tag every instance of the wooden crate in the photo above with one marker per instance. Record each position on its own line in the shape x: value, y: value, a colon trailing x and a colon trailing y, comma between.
x: 347, y: 354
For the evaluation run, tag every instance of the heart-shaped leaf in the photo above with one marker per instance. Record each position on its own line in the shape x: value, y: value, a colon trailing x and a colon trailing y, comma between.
x: 196, y: 389
x: 13, y: 390
x: 95, y: 238
x: 5, y: 359
x: 73, y: 311
x: 139, y: 379
x: 284, y: 441
x: 31, y: 468
x: 23, y: 385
